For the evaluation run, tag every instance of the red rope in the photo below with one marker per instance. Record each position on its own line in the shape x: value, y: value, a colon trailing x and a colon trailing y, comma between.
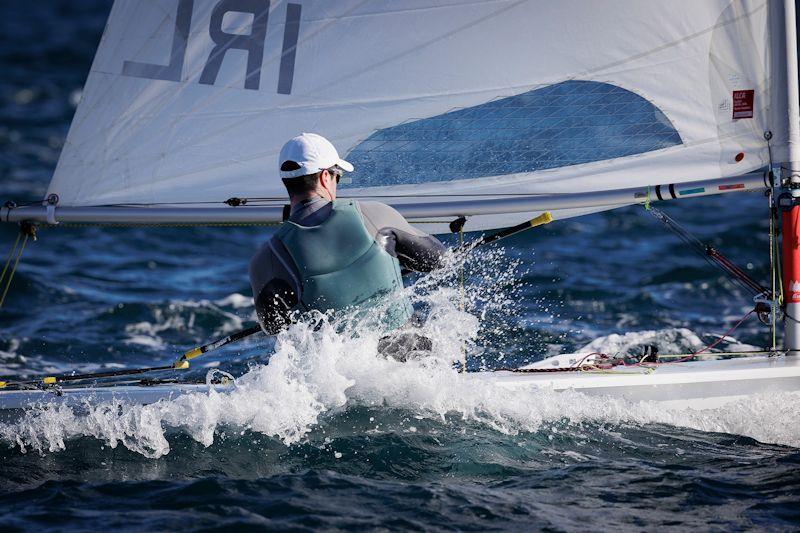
x: 727, y: 333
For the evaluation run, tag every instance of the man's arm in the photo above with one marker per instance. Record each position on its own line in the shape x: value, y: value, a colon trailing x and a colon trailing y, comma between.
x: 275, y: 289
x: 274, y: 306
x: 415, y: 249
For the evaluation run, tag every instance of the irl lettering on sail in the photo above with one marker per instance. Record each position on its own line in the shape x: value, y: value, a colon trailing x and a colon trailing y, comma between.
x: 253, y: 44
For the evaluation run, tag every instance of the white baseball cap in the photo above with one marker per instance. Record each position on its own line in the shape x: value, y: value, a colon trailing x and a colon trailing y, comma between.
x: 313, y: 153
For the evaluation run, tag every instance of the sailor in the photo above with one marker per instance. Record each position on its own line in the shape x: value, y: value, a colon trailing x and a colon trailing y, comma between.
x: 332, y: 255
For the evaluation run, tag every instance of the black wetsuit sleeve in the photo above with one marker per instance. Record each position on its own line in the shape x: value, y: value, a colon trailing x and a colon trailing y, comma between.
x: 415, y: 249
x: 275, y: 287
x: 420, y: 253
x: 274, y: 306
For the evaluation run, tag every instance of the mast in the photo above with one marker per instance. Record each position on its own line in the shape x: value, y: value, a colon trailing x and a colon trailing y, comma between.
x: 790, y: 171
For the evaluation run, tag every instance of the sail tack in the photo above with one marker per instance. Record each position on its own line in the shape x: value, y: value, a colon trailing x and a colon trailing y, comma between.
x: 189, y: 101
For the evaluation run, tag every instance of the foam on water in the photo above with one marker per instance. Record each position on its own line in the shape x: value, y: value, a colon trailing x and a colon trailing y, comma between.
x: 323, y: 366
x: 172, y: 317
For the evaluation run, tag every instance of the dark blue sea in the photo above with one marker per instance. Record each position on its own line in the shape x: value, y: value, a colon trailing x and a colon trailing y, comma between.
x: 328, y: 436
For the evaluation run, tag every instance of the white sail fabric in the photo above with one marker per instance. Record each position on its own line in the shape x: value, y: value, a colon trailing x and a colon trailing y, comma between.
x: 189, y: 101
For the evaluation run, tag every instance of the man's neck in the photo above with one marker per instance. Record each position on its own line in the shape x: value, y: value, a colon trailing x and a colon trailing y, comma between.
x: 309, y: 210
x: 299, y: 199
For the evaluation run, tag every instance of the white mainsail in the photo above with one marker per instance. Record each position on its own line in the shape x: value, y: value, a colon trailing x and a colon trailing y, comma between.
x: 189, y: 101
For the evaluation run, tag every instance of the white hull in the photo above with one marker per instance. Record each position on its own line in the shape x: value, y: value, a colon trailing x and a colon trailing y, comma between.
x: 78, y: 397
x: 697, y: 385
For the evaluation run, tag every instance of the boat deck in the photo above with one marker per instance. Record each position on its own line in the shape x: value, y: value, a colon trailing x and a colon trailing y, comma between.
x: 696, y: 384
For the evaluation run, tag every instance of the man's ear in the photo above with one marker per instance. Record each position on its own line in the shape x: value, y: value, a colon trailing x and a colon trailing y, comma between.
x: 325, y: 179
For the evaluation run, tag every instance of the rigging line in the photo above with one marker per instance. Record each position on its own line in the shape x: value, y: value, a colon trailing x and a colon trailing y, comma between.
x: 736, y: 271
x: 14, y: 205
x: 711, y: 255
x: 153, y: 225
x: 55, y: 380
x: 772, y: 243
x: 163, y: 224
x: 698, y: 352
x: 426, y: 195
x: 710, y: 346
x: 26, y: 230
x: 737, y: 275
x: 744, y: 353
x: 180, y: 364
x: 700, y: 249
x: 462, y: 304
x: 10, y: 255
x: 773, y: 310
x: 147, y: 204
x: 247, y: 200
x: 736, y: 280
x: 779, y: 267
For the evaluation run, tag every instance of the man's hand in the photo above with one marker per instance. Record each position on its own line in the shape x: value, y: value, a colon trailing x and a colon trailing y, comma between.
x: 420, y: 253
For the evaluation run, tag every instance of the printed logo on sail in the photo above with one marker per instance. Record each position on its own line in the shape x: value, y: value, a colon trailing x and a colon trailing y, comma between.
x: 794, y: 291
x: 743, y: 104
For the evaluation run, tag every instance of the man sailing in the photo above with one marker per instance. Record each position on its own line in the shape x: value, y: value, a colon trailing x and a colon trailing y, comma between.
x: 332, y: 255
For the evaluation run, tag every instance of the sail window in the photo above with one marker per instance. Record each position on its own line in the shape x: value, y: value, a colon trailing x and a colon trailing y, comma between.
x: 568, y: 123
